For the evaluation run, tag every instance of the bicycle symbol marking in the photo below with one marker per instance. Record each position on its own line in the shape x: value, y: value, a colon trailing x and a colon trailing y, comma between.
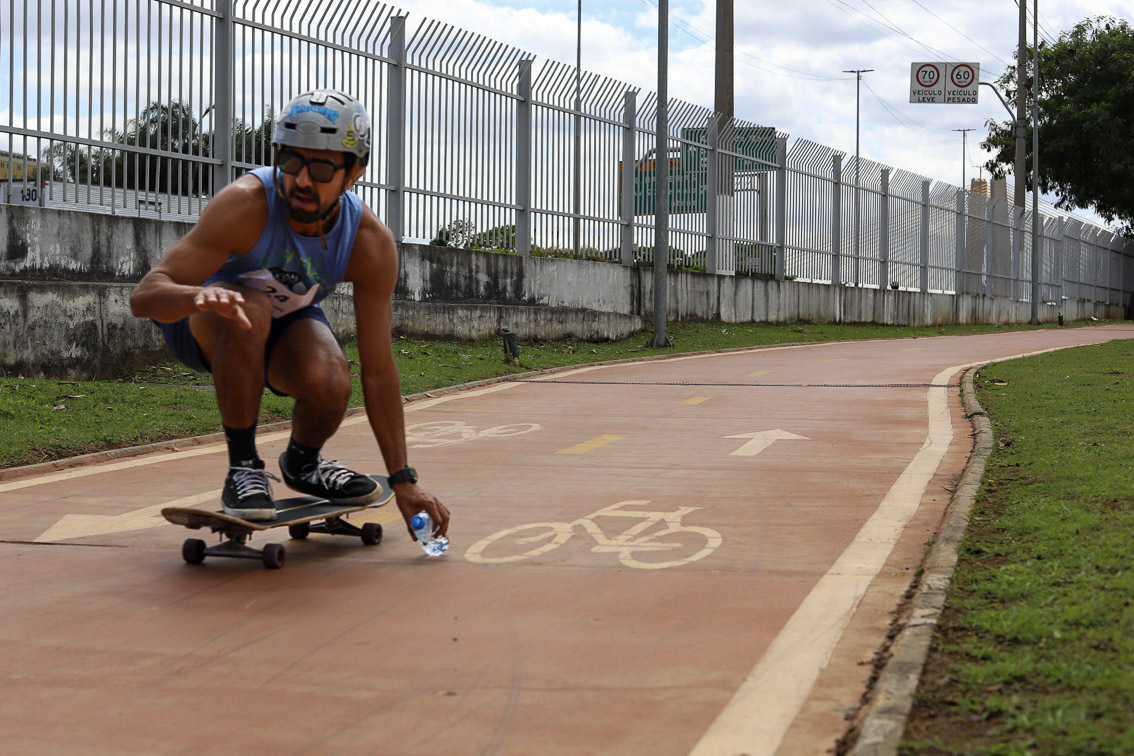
x: 633, y: 545
x: 445, y: 432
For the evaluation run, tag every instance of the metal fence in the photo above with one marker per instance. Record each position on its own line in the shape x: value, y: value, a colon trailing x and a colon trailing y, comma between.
x: 147, y: 107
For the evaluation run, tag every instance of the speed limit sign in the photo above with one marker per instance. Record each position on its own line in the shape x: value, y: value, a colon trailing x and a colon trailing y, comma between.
x: 943, y: 82
x: 963, y: 83
x: 927, y: 82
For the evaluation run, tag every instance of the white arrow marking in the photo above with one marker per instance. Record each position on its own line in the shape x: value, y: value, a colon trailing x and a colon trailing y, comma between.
x: 82, y: 525
x: 761, y: 440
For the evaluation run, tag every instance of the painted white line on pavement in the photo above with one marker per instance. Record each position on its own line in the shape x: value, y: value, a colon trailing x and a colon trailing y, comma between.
x: 759, y: 714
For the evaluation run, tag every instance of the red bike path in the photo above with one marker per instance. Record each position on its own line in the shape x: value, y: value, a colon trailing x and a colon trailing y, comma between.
x: 699, y: 554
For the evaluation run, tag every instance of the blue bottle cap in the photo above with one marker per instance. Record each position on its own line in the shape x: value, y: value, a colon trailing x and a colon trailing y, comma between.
x: 417, y: 522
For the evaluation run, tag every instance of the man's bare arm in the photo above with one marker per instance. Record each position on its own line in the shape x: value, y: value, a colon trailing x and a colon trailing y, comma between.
x: 230, y: 223
x: 373, y: 272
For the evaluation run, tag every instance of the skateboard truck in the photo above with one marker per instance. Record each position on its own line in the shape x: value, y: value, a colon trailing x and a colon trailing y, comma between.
x: 235, y: 546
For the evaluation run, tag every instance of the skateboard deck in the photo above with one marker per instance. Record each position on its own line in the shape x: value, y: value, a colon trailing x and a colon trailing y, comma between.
x: 302, y: 515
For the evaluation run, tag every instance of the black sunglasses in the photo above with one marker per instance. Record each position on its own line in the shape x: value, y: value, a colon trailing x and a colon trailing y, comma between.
x: 292, y: 163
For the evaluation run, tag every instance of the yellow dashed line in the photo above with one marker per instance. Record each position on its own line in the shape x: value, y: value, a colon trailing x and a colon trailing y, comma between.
x: 758, y: 373
x: 837, y: 359
x: 382, y: 517
x: 915, y: 349
x: 693, y: 400
x: 591, y: 445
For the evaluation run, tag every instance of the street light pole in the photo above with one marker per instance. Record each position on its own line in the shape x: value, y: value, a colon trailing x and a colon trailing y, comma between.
x: 858, y: 72
x: 964, y: 162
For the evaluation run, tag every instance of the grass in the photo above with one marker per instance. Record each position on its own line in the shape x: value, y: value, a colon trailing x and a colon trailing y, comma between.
x: 46, y: 420
x: 1035, y: 650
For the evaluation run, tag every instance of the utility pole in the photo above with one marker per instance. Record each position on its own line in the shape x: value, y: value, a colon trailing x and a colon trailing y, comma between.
x: 858, y: 72
x: 724, y: 103
x: 964, y: 161
x: 723, y: 100
x: 661, y: 185
x: 1037, y: 263
x: 1021, y: 167
x: 577, y: 199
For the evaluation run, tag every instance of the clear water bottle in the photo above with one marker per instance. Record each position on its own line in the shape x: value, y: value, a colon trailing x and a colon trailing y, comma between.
x: 433, y: 545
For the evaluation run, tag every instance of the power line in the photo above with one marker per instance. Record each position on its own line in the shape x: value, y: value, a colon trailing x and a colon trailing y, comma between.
x: 757, y: 62
x: 887, y: 25
x: 966, y: 36
x: 1048, y: 35
x: 910, y: 125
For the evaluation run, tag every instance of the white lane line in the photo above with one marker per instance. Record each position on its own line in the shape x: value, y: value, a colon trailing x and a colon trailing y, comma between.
x: 762, y: 709
x: 760, y: 712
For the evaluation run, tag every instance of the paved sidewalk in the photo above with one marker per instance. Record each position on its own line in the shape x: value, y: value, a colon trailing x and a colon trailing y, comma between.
x: 695, y: 555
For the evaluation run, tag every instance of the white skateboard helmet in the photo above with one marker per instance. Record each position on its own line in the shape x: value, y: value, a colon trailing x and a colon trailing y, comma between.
x: 325, y: 119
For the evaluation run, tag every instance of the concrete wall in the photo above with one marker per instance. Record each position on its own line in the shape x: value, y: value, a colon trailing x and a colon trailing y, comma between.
x: 65, y: 279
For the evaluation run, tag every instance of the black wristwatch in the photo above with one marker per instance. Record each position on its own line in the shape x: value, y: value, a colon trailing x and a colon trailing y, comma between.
x: 406, y: 475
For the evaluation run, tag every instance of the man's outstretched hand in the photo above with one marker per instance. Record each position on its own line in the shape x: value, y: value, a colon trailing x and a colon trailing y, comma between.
x: 224, y: 302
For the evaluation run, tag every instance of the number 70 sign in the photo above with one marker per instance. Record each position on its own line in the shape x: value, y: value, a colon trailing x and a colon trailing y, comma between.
x: 945, y: 82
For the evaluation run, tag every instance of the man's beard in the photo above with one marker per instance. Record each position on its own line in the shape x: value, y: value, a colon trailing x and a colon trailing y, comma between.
x: 307, y: 216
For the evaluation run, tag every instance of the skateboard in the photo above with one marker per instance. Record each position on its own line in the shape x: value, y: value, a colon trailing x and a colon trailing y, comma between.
x: 302, y: 515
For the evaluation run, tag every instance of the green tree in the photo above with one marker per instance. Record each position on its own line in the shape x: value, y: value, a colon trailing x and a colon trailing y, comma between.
x: 458, y: 233
x: 253, y: 144
x: 64, y: 161
x: 497, y: 237
x: 168, y: 128
x: 1086, y: 119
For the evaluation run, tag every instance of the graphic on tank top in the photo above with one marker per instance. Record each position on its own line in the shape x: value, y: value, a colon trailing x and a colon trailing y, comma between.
x: 289, y: 279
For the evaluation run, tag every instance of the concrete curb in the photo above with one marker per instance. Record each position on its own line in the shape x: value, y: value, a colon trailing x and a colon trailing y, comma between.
x: 884, y: 724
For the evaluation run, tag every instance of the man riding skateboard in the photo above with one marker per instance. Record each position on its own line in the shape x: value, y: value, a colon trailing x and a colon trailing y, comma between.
x: 239, y: 296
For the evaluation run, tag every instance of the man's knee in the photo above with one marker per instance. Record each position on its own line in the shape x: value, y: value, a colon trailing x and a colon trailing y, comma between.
x: 327, y: 384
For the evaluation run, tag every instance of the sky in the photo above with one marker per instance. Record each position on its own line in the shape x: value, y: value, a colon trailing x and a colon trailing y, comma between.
x: 790, y: 59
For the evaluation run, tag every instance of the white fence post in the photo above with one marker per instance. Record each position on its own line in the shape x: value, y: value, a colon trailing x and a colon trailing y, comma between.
x: 396, y: 129
x: 222, y: 89
x: 884, y: 233
x: 712, y: 193
x: 923, y: 263
x: 781, y: 206
x: 524, y: 159
x: 958, y: 285
x: 629, y: 119
x: 1059, y: 259
x: 836, y: 218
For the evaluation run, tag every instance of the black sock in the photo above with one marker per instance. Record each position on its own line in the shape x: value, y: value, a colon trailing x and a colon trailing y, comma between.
x: 241, y: 445
x: 300, y: 456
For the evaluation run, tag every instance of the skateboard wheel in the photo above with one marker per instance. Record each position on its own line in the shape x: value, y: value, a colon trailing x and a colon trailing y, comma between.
x: 371, y: 534
x: 300, y: 530
x: 273, y: 556
x: 193, y: 550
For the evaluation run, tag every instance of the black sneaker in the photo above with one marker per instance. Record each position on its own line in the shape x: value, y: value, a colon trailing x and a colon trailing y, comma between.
x: 247, y: 492
x: 331, y: 481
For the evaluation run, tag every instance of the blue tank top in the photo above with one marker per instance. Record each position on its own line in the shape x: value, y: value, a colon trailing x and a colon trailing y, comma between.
x: 293, y: 269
